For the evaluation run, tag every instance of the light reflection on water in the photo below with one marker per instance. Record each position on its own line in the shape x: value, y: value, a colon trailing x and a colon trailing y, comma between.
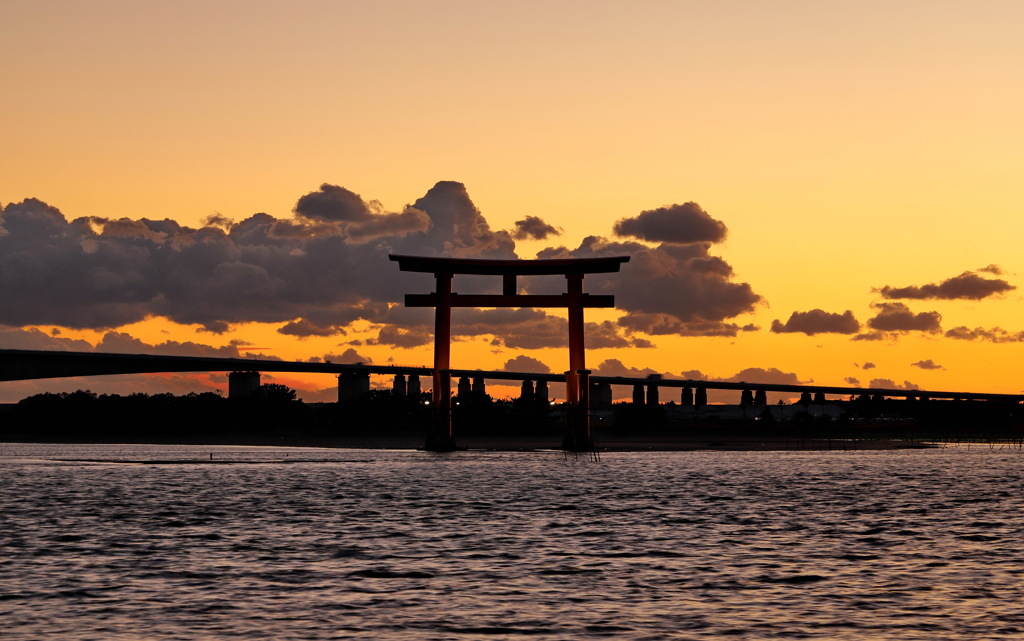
x: 290, y: 543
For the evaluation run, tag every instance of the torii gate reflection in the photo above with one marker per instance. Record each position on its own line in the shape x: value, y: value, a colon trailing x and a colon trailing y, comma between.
x: 444, y: 299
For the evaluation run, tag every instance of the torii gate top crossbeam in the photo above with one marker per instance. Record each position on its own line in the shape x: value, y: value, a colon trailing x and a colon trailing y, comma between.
x: 497, y: 267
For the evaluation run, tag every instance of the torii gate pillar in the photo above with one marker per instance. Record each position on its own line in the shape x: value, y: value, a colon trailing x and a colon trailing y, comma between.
x: 577, y: 379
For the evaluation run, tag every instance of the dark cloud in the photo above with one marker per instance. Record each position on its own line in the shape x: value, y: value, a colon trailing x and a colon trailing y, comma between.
x: 677, y: 224
x: 994, y: 335
x: 897, y: 317
x: 762, y: 375
x: 398, y: 337
x: 13, y: 338
x: 851, y: 380
x: 524, y: 363
x: 327, y: 267
x: 615, y: 367
x: 349, y: 356
x: 888, y: 383
x: 927, y: 364
x: 966, y: 286
x: 667, y: 286
x: 666, y: 325
x: 870, y: 336
x: 533, y: 228
x: 333, y: 203
x: 304, y: 328
x: 868, y: 365
x: 817, y: 321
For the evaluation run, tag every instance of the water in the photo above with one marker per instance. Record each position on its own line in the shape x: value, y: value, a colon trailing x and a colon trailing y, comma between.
x: 357, y: 544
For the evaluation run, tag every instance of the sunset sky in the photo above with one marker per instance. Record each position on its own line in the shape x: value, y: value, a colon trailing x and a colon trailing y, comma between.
x: 817, y: 192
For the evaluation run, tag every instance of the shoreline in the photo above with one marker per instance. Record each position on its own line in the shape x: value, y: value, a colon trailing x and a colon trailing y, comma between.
x: 605, y: 442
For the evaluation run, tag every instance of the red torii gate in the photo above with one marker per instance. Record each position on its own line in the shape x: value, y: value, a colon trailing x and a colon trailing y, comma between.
x: 575, y: 300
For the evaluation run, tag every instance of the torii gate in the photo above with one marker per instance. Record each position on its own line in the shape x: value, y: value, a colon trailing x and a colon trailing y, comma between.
x: 444, y: 299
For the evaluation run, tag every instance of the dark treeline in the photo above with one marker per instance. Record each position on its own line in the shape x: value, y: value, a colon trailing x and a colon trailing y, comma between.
x: 271, y: 411
x: 274, y: 411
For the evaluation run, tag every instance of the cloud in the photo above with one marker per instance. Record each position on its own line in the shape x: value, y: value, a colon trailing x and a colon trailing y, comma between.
x: 966, y: 286
x: 685, y: 285
x: 678, y: 224
x: 533, y: 228
x: 349, y: 356
x: 870, y: 336
x: 888, y: 383
x: 851, y: 380
x: 523, y: 363
x: 665, y: 324
x: 333, y: 203
x: 398, y: 337
x: 817, y: 321
x: 868, y: 365
x: 304, y: 328
x: 927, y: 364
x: 897, y: 317
x: 762, y: 375
x: 994, y: 335
x: 615, y: 367
x: 31, y: 338
x: 327, y: 266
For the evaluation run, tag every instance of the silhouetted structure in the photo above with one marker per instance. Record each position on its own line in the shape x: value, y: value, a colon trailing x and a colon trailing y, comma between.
x: 574, y: 300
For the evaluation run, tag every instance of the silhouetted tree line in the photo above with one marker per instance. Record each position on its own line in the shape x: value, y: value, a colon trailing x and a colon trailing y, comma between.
x: 274, y: 410
x: 85, y: 415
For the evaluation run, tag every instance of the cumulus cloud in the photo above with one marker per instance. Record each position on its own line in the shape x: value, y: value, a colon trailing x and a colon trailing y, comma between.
x: 615, y: 367
x: 764, y: 375
x: 888, y: 383
x: 969, y: 285
x: 994, y: 335
x: 677, y: 224
x: 927, y: 364
x: 326, y: 267
x: 817, y: 321
x: 665, y: 324
x: 534, y: 228
x: 897, y: 317
x: 852, y: 380
x: 669, y: 286
x: 868, y: 365
x: 319, y: 266
x: 523, y: 363
x: 349, y: 356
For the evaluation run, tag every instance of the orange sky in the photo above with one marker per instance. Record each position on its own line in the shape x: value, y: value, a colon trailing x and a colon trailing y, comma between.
x: 846, y: 148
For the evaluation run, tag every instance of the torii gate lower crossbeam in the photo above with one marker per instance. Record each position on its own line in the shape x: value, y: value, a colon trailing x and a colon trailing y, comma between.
x: 578, y: 437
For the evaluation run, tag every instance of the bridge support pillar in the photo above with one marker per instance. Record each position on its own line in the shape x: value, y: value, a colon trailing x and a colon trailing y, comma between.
x: 352, y: 385
x: 478, y: 386
x: 700, y: 397
x: 652, y: 395
x: 760, y: 398
x: 805, y: 398
x: 746, y: 398
x: 542, y: 391
x: 398, y: 386
x: 526, y: 391
x: 465, y: 387
x: 638, y: 394
x: 686, y: 396
x: 413, y: 387
x: 242, y: 384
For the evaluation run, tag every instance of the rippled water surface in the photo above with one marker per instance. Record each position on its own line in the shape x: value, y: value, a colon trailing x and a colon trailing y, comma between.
x: 169, y: 542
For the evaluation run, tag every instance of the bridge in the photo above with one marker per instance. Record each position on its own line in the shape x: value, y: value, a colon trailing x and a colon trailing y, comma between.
x: 354, y: 379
